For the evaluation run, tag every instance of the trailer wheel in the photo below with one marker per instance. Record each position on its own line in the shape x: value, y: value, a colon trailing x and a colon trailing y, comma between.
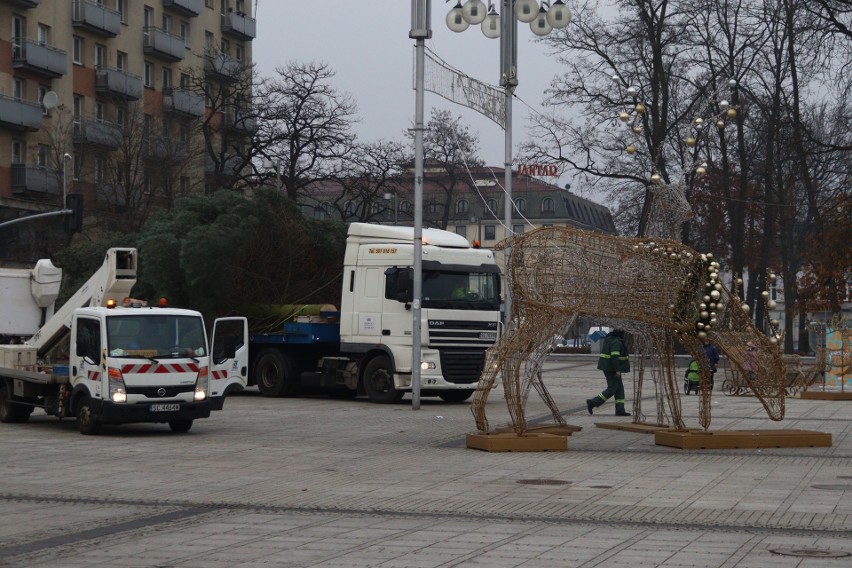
x: 180, y: 426
x: 455, y: 395
x: 274, y: 373
x: 378, y: 381
x: 86, y: 422
x: 9, y: 411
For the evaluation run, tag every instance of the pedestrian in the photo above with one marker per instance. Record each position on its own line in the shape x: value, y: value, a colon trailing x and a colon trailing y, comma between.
x: 712, y: 358
x: 614, y: 360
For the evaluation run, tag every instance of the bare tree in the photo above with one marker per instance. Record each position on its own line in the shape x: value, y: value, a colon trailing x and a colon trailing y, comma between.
x: 305, y: 124
x: 449, y: 150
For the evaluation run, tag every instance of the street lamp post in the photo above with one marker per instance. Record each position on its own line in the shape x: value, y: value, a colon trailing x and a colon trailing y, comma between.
x: 543, y: 17
x: 478, y: 221
x: 391, y: 195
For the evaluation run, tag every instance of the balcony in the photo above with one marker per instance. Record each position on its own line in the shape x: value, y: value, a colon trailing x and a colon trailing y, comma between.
x: 39, y: 58
x: 111, y: 193
x: 238, y: 25
x: 188, y: 8
x: 97, y: 132
x: 239, y: 120
x: 118, y: 83
x: 37, y: 180
x: 166, y: 150
x: 16, y: 114
x: 162, y: 44
x: 222, y: 66
x: 182, y: 102
x: 95, y: 18
x: 24, y: 3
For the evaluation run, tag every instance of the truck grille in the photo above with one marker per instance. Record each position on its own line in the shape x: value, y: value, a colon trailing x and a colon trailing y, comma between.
x: 443, y: 333
x: 462, y: 366
x: 151, y: 392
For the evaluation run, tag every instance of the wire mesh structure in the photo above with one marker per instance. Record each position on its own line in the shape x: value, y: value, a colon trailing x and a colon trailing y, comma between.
x: 656, y: 289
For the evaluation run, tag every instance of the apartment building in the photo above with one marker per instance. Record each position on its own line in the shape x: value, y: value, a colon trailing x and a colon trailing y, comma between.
x: 112, y: 99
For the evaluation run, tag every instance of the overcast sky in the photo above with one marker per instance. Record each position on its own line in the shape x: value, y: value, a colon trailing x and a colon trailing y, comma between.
x: 366, y: 42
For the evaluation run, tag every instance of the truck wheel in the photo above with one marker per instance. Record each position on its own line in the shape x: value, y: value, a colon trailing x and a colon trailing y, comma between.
x: 378, y: 382
x: 9, y: 411
x: 455, y: 395
x: 180, y: 426
x: 86, y: 422
x: 274, y: 373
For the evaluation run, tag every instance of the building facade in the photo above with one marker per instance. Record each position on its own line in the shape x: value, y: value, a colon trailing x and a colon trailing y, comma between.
x: 106, y: 98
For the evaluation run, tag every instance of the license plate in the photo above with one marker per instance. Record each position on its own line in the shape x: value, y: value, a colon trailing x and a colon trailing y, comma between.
x: 164, y: 407
x: 488, y: 335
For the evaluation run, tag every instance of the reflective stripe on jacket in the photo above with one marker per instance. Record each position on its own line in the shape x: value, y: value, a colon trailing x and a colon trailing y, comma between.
x: 614, y: 355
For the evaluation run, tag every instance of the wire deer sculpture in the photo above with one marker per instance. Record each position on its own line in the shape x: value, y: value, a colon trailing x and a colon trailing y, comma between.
x: 650, y: 286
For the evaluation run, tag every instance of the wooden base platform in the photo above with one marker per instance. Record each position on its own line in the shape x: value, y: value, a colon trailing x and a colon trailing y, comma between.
x: 511, y: 442
x: 826, y: 395
x: 641, y: 428
x: 734, y: 439
x: 557, y: 429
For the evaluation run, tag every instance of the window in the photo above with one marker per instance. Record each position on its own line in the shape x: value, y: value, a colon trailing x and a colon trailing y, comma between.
x: 167, y: 23
x: 78, y: 108
x: 405, y: 207
x: 43, y: 34
x: 490, y: 232
x: 77, y: 50
x: 148, y: 72
x: 167, y: 78
x: 18, y: 89
x: 208, y: 3
x: 184, y: 132
x: 17, y: 152
x: 43, y: 153
x: 121, y: 8
x: 120, y: 117
x: 518, y: 229
x: 184, y: 185
x: 121, y: 60
x: 184, y: 33
x: 42, y: 90
x: 99, y: 110
x: 225, y: 46
x: 462, y: 206
x: 434, y: 207
x: 238, y: 52
x: 521, y: 205
x: 209, y: 41
x: 461, y: 230
x: 18, y: 33
x: 78, y: 167
x: 184, y: 81
x: 100, y: 56
x: 89, y: 340
x: 99, y: 171
x: 547, y: 205
x: 492, y: 205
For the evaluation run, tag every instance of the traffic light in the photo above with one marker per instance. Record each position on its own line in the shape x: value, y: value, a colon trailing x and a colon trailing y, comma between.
x: 74, y: 220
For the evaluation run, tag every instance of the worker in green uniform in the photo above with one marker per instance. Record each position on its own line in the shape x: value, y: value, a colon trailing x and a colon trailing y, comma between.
x: 614, y: 360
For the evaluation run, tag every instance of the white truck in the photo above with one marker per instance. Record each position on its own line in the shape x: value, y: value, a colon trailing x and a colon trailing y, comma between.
x: 102, y: 358
x: 366, y: 347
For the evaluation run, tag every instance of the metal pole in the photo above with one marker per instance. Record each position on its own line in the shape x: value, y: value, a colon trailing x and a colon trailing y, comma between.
x: 509, y: 79
x: 420, y: 30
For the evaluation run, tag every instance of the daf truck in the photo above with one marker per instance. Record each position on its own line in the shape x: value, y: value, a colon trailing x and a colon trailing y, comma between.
x: 365, y: 347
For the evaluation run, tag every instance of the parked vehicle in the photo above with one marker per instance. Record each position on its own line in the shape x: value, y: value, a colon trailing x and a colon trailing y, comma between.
x: 102, y: 358
x: 365, y: 348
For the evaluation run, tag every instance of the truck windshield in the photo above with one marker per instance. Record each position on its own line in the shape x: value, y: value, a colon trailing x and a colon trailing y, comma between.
x: 160, y: 336
x: 461, y: 290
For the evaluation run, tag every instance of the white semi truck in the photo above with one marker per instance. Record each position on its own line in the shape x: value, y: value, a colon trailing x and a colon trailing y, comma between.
x: 366, y: 347
x: 102, y: 358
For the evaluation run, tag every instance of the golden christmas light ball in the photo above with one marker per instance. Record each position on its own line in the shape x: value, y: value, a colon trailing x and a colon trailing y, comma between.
x: 764, y: 294
x: 655, y: 178
x: 731, y: 112
x: 700, y: 171
x: 631, y: 149
x: 745, y: 308
x: 640, y: 108
x: 715, y: 294
x: 690, y: 142
x: 637, y: 129
x: 720, y: 124
x: 623, y: 116
x: 771, y: 304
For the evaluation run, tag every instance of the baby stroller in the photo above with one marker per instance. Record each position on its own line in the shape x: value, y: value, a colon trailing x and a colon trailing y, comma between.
x: 692, y: 378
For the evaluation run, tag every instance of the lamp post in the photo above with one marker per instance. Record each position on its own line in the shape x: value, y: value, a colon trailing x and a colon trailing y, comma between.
x: 543, y: 18
x: 65, y: 160
x: 478, y: 221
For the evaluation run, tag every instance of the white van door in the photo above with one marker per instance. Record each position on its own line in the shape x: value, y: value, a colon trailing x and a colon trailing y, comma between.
x: 229, y: 357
